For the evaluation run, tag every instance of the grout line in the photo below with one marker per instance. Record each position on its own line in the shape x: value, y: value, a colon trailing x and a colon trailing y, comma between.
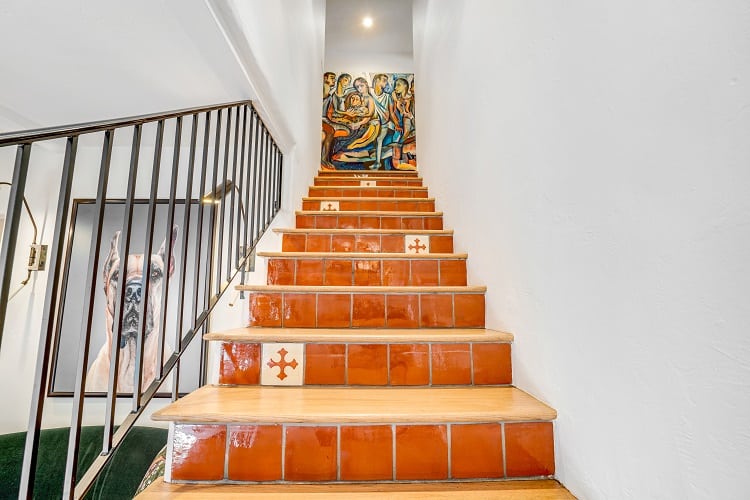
x: 471, y: 361
x: 393, y: 439
x: 450, y: 450
x: 502, y: 444
x: 283, y: 451
x: 317, y: 296
x: 227, y: 440
x: 346, y: 364
x: 388, y: 363
x: 338, y: 452
x: 429, y: 352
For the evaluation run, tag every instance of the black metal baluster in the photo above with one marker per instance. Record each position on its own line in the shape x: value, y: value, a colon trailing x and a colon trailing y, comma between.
x: 232, y: 248
x: 256, y: 146
x: 266, y: 183
x: 183, y: 260
x: 71, y: 466
x: 10, y: 235
x: 31, y: 450
x: 221, y: 200
x: 118, y: 316
x: 247, y: 244
x: 239, y: 244
x: 148, y: 250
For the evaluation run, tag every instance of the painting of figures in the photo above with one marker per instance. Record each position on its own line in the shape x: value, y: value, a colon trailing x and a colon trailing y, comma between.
x: 368, y: 122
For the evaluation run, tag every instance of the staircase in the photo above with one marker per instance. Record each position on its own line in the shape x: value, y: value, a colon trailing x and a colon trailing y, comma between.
x: 366, y: 370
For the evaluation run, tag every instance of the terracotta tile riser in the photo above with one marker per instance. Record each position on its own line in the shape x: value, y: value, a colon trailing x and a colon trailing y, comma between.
x: 387, y: 243
x: 367, y: 272
x: 359, y: 174
x: 343, y: 221
x: 371, y: 310
x: 354, y: 204
x: 408, y: 182
x: 397, y: 364
x: 366, y: 192
x: 329, y: 452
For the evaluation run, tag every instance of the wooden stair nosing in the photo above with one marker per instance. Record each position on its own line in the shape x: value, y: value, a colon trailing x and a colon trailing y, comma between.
x: 357, y: 174
x: 535, y: 489
x: 384, y: 188
x: 363, y: 255
x: 398, y: 405
x: 360, y: 335
x: 361, y: 289
x: 364, y: 198
x: 435, y: 232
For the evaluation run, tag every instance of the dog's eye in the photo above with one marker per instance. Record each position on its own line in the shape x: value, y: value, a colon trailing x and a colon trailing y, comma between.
x: 114, y: 278
x: 155, y: 274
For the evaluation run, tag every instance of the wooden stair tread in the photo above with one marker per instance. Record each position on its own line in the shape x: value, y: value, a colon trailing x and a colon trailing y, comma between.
x: 266, y: 404
x: 363, y: 255
x: 361, y: 289
x: 385, y: 188
x: 436, y: 232
x: 547, y: 489
x: 369, y: 213
x: 359, y: 174
x: 359, y: 335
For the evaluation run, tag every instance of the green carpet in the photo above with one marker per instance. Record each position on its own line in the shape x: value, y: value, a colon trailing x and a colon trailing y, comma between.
x: 119, y: 479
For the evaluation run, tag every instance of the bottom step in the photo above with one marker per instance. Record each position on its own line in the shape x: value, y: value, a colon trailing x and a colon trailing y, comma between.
x: 501, y: 490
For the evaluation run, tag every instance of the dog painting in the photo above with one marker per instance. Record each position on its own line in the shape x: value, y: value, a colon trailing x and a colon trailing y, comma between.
x: 97, y: 377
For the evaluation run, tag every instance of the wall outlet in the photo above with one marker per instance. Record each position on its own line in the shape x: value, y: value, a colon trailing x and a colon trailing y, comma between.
x: 37, y: 257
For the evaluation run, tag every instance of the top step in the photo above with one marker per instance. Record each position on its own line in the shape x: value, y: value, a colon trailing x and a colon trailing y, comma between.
x: 368, y: 173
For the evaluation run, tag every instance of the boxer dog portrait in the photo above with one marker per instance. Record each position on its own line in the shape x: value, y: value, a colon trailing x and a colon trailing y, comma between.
x: 97, y: 377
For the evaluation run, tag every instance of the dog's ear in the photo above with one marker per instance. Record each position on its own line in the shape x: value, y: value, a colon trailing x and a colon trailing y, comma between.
x: 162, y: 251
x: 114, y: 254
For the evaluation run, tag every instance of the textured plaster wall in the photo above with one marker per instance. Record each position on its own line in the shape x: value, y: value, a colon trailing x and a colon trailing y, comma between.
x: 593, y: 157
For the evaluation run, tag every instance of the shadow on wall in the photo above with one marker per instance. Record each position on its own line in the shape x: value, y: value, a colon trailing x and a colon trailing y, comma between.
x: 368, y: 122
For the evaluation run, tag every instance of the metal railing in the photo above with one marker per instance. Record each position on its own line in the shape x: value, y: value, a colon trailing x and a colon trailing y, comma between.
x: 227, y: 181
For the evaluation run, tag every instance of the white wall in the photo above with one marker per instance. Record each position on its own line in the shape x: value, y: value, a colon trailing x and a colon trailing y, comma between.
x: 85, y: 60
x: 348, y: 62
x: 593, y: 158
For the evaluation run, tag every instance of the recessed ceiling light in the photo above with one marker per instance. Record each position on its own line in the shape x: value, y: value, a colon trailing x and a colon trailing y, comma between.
x: 367, y: 22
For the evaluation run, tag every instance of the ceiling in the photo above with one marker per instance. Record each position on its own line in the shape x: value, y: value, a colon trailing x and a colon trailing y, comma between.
x: 391, y: 31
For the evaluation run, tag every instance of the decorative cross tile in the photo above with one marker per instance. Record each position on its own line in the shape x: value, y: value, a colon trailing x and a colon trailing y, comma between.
x: 417, y: 243
x: 282, y: 364
x: 329, y: 206
x: 368, y: 183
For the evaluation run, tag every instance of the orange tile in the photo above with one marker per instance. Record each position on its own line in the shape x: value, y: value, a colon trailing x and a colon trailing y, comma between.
x: 492, y: 363
x: 310, y: 454
x: 436, y: 310
x: 368, y: 205
x: 390, y: 222
x: 305, y: 221
x: 368, y: 364
x: 348, y: 222
x: 318, y: 243
x: 368, y: 193
x: 441, y: 244
x: 452, y: 273
x: 529, y: 449
x: 317, y: 192
x: 388, y: 206
x: 367, y: 243
x: 469, y: 310
x: 265, y: 309
x: 280, y: 272
x: 433, y: 222
x: 334, y: 310
x: 408, y: 206
x: 299, y: 310
x: 309, y: 271
x: 392, y: 243
x: 325, y: 221
x: 369, y: 222
x: 240, y: 363
x: 476, y: 451
x: 325, y: 364
x: 198, y: 452
x: 426, y: 206
x: 338, y: 272
x: 410, y: 364
x: 366, y: 453
x: 421, y: 452
x: 402, y: 311
x: 419, y: 194
x: 255, y: 452
x: 424, y: 272
x: 310, y: 205
x: 387, y: 193
x: 368, y: 310
x: 451, y: 364
x: 349, y: 205
x: 412, y: 222
x: 342, y: 243
x: 367, y: 273
x: 293, y: 242
x: 395, y: 272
